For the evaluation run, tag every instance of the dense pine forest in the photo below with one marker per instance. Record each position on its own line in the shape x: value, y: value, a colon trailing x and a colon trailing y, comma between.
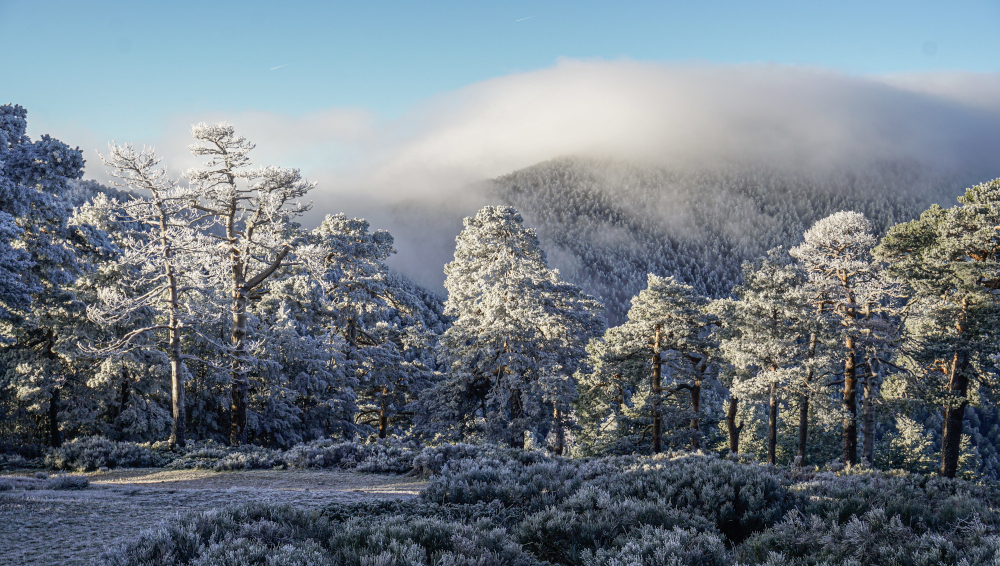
x: 631, y: 365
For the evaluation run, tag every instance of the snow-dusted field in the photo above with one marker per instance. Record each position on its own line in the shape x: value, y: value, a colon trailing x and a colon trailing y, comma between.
x: 73, y: 527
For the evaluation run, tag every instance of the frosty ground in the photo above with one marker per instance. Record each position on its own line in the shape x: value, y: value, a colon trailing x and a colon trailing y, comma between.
x: 73, y: 526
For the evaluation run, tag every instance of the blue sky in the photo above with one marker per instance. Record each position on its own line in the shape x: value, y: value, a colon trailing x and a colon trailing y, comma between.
x: 400, y: 109
x: 122, y: 69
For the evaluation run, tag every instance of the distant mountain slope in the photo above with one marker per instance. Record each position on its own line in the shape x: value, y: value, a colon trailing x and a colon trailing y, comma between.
x: 606, y: 224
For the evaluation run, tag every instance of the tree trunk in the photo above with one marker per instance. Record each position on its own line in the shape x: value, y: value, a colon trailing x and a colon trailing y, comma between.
x: 657, y: 369
x: 383, y: 414
x: 772, y: 424
x: 800, y: 453
x: 124, y: 394
x: 55, y: 438
x: 696, y: 406
x: 516, y: 420
x: 178, y: 410
x: 240, y: 383
x: 560, y: 432
x: 868, y: 448
x: 954, y: 413
x: 850, y: 433
x: 734, y: 431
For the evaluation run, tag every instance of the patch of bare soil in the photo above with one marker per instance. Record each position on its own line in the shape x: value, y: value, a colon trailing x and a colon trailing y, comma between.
x: 73, y: 527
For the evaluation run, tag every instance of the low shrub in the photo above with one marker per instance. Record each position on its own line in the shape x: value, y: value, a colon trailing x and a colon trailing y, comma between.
x: 921, y: 502
x: 739, y: 499
x: 324, y: 454
x: 12, y: 461
x: 91, y: 453
x: 63, y: 481
x: 388, y: 456
x: 874, y: 539
x: 266, y: 535
x: 658, y: 546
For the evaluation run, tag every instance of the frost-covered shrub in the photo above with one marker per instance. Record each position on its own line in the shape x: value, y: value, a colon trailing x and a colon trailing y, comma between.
x: 91, y: 453
x: 873, y: 539
x: 210, y: 455
x: 420, y: 540
x: 203, y: 536
x: 12, y: 461
x: 494, y: 511
x: 63, y: 481
x: 6, y: 485
x: 199, y: 457
x: 262, y: 534
x: 737, y: 499
x: 250, y: 458
x: 592, y: 519
x: 920, y: 501
x: 530, y: 487
x: 657, y: 546
x: 432, y: 459
x: 324, y: 454
x: 383, y: 456
x: 388, y: 456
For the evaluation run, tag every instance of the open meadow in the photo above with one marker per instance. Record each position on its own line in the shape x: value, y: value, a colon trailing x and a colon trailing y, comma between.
x: 49, y: 526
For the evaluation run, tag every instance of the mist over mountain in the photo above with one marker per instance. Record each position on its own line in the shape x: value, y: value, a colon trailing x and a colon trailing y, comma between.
x: 607, y: 223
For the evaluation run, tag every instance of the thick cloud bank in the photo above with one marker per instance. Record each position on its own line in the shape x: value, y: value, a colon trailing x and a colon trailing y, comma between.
x: 419, y: 174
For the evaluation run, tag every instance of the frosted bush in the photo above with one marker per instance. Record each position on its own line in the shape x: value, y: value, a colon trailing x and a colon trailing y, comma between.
x: 12, y: 461
x: 63, y: 481
x: 250, y: 458
x: 270, y: 535
x: 91, y: 453
x: 932, y: 502
x: 389, y: 456
x: 657, y: 546
x: 873, y: 539
x: 324, y: 454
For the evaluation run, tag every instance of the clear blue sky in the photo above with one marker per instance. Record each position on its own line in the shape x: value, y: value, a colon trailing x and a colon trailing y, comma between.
x: 121, y: 69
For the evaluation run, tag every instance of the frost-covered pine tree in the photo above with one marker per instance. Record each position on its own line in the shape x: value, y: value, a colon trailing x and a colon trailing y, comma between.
x: 662, y: 352
x: 41, y: 254
x: 837, y: 254
x: 159, y: 271
x: 776, y: 344
x: 248, y: 212
x: 518, y: 336
x: 387, y: 347
x: 950, y: 260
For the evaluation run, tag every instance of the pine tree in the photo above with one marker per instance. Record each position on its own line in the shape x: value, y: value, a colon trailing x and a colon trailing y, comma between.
x: 777, y: 345
x: 662, y: 352
x: 388, y: 348
x: 518, y: 334
x: 250, y: 209
x: 837, y: 255
x: 160, y: 270
x: 41, y: 255
x: 949, y: 259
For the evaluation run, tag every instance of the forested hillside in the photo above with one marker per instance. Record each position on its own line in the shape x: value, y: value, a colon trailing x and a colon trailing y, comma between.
x: 606, y: 224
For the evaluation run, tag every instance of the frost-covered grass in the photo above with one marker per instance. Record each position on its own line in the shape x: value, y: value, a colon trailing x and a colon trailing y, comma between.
x: 41, y: 526
x: 497, y: 506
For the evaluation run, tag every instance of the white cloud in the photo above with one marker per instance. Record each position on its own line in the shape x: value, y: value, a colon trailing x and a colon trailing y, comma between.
x: 779, y: 115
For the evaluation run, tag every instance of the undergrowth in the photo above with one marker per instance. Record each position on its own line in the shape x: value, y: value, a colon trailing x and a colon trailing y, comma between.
x: 498, y: 506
